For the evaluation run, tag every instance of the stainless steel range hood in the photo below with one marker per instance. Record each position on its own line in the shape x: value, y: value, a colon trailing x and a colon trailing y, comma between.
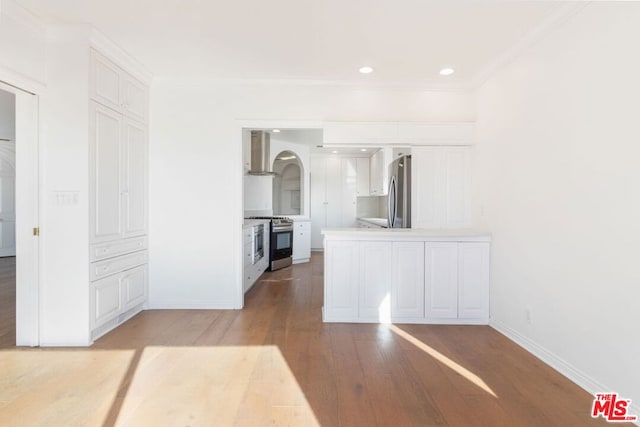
x: 260, y: 164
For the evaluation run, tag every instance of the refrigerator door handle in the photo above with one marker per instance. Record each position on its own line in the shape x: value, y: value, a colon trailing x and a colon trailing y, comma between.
x: 391, y: 202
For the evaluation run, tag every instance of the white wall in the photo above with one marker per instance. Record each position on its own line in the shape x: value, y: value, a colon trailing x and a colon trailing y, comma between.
x: 7, y: 115
x: 558, y: 149
x: 196, y: 170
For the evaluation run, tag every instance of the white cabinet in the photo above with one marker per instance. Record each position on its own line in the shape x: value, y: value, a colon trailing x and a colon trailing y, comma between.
x: 113, y: 87
x: 115, y: 295
x: 252, y: 271
x: 384, y: 277
x: 363, y: 177
x: 441, y: 187
x: 118, y: 164
x: 341, y: 276
x: 407, y: 283
x: 473, y: 280
x: 118, y: 171
x: 379, y: 172
x: 441, y: 280
x: 333, y: 195
x: 301, y: 241
x: 375, y: 281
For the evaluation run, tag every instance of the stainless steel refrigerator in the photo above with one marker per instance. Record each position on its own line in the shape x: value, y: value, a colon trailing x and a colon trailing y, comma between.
x: 399, y: 203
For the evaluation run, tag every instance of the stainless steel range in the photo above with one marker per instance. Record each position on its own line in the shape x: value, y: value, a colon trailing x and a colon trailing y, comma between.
x: 281, y: 241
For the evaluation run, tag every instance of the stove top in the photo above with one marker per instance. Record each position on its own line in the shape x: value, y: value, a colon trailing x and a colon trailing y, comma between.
x: 277, y: 219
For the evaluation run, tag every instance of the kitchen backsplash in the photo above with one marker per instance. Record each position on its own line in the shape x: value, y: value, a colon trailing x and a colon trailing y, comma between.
x: 371, y: 207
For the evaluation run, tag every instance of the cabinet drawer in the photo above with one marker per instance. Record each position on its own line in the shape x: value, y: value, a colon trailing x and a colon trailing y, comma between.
x: 247, y: 235
x: 247, y: 254
x: 105, y: 300
x: 120, y: 247
x: 303, y: 226
x: 111, y: 266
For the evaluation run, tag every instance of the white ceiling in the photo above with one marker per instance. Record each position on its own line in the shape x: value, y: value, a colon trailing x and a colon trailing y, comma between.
x: 406, y: 41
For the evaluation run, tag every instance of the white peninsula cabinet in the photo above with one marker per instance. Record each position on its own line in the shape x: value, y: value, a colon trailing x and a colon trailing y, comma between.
x: 407, y: 276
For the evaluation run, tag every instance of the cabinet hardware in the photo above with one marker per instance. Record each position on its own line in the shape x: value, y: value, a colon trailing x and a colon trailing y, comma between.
x: 36, y: 231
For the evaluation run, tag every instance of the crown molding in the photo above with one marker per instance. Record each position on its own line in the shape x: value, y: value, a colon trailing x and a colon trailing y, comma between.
x: 23, y: 15
x: 555, y: 20
x: 111, y: 49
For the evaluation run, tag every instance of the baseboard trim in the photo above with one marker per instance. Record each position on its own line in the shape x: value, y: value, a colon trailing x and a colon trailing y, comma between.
x: 191, y: 305
x: 580, y: 378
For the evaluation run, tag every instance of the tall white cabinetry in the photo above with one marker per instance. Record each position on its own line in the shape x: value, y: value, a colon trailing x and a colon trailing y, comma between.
x: 118, y: 195
x: 441, y: 190
x: 333, y: 190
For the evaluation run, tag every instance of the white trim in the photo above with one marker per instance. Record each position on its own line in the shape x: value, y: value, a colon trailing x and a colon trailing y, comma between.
x: 555, y: 20
x: 175, y: 304
x: 580, y: 378
x: 23, y: 15
x: 115, y: 53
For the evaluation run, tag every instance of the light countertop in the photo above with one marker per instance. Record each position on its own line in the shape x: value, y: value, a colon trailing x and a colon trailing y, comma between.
x: 252, y: 222
x: 380, y: 222
x: 398, y: 234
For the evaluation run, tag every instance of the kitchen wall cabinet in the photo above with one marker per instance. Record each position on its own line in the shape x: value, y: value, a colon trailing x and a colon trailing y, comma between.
x: 441, y: 187
x: 379, y: 172
x: 301, y: 241
x: 118, y: 158
x: 363, y: 176
x: 333, y: 195
x: 407, y: 284
x: 397, y: 133
x: 406, y: 279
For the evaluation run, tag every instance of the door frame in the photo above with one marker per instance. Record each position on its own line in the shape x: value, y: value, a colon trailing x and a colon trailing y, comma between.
x: 27, y: 208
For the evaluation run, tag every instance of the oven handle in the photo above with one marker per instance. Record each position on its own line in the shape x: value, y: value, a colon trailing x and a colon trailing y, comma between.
x: 279, y: 228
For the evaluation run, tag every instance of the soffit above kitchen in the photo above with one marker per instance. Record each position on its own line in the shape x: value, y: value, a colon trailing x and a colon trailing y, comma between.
x: 404, y: 41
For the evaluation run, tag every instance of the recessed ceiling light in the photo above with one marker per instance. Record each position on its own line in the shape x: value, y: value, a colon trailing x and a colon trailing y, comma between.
x: 447, y: 71
x: 366, y: 70
x: 335, y: 151
x: 363, y: 149
x: 276, y: 131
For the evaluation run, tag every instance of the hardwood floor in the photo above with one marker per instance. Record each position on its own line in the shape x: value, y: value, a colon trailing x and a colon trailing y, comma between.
x: 276, y: 363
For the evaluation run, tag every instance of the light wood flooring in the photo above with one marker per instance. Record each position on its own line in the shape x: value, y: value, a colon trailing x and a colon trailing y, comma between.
x: 276, y: 363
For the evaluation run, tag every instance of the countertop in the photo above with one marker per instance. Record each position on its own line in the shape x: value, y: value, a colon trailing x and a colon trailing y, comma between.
x: 398, y: 234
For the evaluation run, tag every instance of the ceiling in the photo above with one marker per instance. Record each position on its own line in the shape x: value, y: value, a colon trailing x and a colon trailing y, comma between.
x: 405, y: 41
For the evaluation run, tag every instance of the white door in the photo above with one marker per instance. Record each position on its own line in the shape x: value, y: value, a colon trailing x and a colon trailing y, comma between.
x: 7, y: 197
x: 441, y: 280
x: 25, y: 219
x: 362, y: 181
x: 333, y: 174
x: 317, y: 189
x: 349, y: 192
x: 105, y: 163
x: 134, y: 188
x: 134, y: 94
x: 375, y: 281
x: 473, y: 273
x: 407, y: 285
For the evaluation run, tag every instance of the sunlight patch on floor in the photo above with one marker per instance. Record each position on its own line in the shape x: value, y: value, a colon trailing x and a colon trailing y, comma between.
x: 443, y: 359
x: 243, y: 385
x: 59, y: 387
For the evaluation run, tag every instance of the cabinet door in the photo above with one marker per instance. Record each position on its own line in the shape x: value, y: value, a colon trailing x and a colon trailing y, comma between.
x: 134, y: 98
x: 473, y: 281
x: 441, y: 280
x: 105, y: 300
x: 348, y: 188
x: 407, y: 285
x: 341, y: 280
x: 106, y: 81
x: 333, y: 197
x: 317, y: 189
x: 375, y: 173
x: 362, y: 179
x: 134, y: 287
x: 301, y: 241
x: 375, y: 281
x: 134, y: 188
x: 105, y: 161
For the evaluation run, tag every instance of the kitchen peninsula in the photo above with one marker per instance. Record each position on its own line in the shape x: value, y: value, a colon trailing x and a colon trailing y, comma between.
x: 406, y: 276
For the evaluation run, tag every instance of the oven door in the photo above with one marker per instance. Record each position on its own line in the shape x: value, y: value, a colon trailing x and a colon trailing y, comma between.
x: 281, y: 246
x: 258, y: 243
